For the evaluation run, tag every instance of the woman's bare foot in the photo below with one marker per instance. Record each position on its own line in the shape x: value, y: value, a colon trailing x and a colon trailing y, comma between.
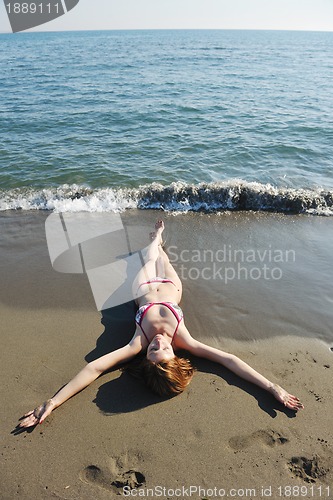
x: 285, y: 398
x: 159, y: 228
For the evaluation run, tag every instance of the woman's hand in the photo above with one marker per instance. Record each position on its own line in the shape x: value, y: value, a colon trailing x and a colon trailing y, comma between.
x: 38, y: 415
x: 288, y: 400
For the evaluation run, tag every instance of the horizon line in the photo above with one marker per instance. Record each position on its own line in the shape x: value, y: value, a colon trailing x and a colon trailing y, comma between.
x: 168, y: 29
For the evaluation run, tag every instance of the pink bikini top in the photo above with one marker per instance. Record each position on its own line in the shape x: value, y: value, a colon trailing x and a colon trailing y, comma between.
x: 174, y: 308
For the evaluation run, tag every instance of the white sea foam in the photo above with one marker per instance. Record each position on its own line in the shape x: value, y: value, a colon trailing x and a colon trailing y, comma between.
x: 234, y: 194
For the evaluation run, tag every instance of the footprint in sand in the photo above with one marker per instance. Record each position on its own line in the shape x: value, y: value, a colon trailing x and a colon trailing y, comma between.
x: 269, y: 438
x: 94, y: 475
x: 308, y: 469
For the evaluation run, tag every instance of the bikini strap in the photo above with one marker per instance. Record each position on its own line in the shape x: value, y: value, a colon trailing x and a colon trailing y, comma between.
x: 174, y: 333
x: 141, y: 319
x: 178, y: 318
x: 144, y: 333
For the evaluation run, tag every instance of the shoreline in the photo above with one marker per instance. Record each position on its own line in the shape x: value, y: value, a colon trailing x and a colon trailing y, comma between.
x: 293, y: 295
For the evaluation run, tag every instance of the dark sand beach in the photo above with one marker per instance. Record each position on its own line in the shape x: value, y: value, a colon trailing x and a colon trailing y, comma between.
x: 221, y: 432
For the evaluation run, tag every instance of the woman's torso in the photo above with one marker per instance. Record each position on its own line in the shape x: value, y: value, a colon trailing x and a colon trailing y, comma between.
x: 160, y: 318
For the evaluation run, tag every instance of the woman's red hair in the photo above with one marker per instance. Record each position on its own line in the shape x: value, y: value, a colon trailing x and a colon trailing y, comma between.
x: 167, y: 378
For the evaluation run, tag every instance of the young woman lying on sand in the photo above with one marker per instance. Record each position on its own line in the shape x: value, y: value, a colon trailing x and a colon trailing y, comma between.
x: 160, y: 331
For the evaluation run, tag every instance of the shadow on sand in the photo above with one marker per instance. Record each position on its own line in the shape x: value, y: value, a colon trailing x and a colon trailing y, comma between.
x: 126, y: 393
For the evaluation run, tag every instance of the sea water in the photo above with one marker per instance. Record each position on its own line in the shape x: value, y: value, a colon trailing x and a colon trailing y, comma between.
x: 175, y: 120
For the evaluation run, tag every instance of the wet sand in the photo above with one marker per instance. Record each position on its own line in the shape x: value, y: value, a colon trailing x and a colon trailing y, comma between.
x: 221, y: 432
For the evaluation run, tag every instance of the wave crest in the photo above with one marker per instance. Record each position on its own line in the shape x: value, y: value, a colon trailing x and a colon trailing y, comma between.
x: 233, y: 195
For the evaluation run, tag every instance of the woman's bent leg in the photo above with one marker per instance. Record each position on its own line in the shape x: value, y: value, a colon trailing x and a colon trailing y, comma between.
x: 150, y: 257
x: 163, y: 263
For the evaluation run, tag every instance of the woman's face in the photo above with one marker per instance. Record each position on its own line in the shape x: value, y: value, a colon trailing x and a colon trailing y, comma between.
x: 159, y: 349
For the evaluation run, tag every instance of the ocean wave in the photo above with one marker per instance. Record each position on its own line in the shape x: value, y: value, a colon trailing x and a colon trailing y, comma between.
x: 233, y: 195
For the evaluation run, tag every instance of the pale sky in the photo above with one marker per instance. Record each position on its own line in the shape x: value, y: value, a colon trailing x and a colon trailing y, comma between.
x: 311, y: 15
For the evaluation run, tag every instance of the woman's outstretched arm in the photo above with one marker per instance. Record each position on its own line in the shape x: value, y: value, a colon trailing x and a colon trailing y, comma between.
x: 240, y: 368
x: 85, y: 377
